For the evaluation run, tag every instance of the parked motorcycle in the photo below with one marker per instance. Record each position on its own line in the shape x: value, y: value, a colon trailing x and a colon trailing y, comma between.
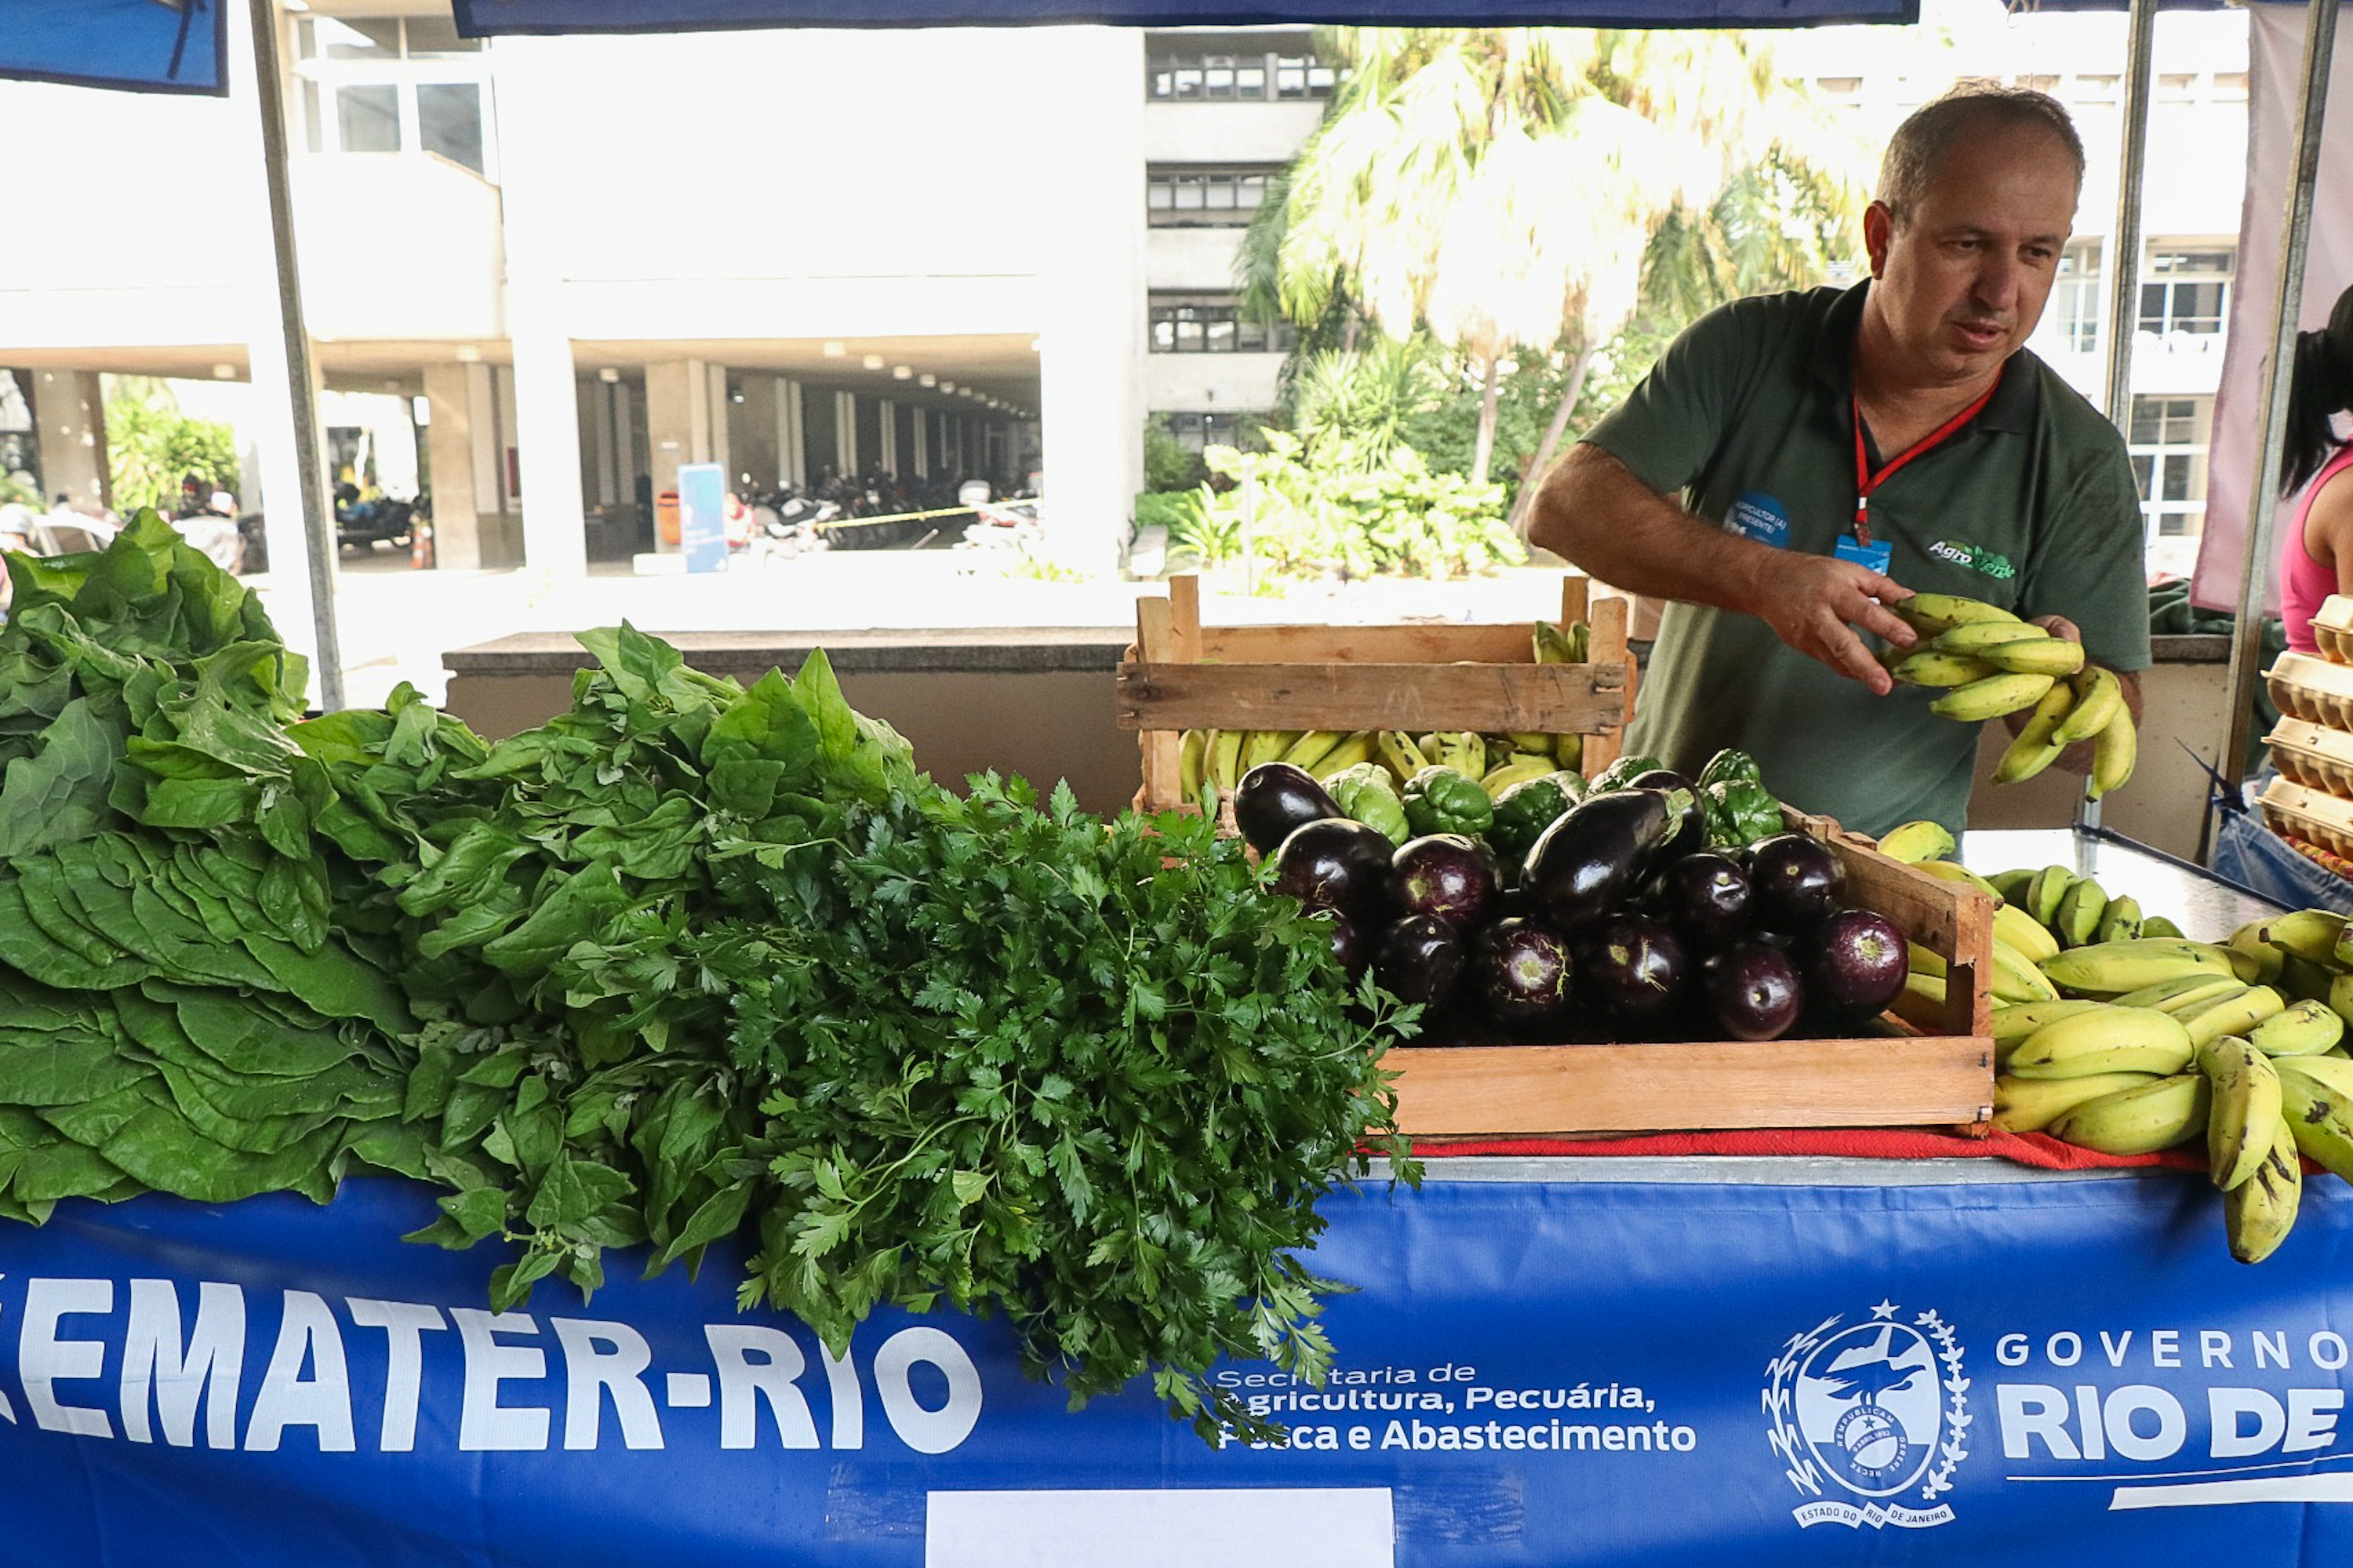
x: 786, y: 523
x: 363, y: 524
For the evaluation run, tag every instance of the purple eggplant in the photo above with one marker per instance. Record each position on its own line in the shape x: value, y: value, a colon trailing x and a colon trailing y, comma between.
x: 1523, y: 972
x: 1753, y: 991
x: 1583, y: 867
x: 1798, y: 881
x: 1333, y: 863
x: 1420, y: 957
x: 1451, y: 875
x: 1857, y: 963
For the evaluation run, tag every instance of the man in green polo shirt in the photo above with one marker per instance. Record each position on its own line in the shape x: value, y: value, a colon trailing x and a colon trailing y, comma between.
x: 1835, y: 451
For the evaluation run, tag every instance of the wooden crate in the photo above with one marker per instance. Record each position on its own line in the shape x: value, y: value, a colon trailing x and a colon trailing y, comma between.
x: 1937, y: 1070
x: 1182, y: 675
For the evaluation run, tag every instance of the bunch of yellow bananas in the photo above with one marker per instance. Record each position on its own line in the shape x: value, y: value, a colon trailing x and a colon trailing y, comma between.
x: 2150, y: 1041
x: 2114, y: 1032
x: 1221, y: 757
x: 1988, y: 663
x: 1498, y: 760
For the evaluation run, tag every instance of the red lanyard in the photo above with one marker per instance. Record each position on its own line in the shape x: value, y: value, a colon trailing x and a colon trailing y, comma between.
x: 1865, y: 481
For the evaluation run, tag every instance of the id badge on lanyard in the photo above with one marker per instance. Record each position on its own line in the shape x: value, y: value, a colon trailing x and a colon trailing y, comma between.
x: 1877, y: 554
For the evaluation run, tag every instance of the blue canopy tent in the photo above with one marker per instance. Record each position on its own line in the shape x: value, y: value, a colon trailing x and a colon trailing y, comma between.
x: 151, y: 45
x: 480, y: 18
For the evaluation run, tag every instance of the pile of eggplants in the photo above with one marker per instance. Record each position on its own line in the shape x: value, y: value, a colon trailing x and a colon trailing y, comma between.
x: 1620, y: 924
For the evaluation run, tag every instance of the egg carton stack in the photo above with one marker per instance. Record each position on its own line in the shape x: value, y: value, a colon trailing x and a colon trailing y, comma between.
x: 2310, y: 804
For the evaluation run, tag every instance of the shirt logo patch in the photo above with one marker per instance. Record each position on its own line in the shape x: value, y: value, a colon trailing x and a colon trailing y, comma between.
x: 1976, y: 557
x: 1759, y: 516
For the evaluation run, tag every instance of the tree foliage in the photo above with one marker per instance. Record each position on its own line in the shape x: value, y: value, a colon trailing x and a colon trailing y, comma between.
x: 1503, y: 193
x: 151, y: 447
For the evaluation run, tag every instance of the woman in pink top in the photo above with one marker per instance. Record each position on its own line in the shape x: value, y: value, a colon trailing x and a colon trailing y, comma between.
x: 2316, y: 551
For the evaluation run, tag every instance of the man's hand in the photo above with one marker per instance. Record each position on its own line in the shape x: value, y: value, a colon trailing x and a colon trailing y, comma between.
x: 1814, y: 603
x: 1594, y: 513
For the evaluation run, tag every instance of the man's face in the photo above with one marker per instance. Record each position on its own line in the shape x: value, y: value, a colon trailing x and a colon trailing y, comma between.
x: 1962, y: 282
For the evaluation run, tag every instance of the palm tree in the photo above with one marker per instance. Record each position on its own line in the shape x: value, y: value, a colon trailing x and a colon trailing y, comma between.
x: 1500, y: 187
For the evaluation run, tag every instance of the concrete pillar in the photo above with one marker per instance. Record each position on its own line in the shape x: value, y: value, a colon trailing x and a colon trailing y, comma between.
x: 752, y: 436
x: 547, y: 439
x: 678, y: 422
x: 1093, y: 358
x: 792, y: 434
x: 722, y: 411
x: 450, y: 443
x: 70, y: 432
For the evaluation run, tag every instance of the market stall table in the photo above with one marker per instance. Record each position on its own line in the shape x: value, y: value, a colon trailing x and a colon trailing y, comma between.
x: 1554, y: 1361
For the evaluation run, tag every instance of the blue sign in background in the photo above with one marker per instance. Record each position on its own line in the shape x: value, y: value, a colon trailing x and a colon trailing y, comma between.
x: 1530, y: 1372
x: 703, y: 516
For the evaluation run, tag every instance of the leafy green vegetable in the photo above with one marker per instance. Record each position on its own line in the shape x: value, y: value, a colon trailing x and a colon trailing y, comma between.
x: 689, y: 959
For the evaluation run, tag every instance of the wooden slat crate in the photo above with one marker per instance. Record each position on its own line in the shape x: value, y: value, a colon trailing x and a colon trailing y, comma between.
x: 1183, y: 675
x: 1937, y: 1071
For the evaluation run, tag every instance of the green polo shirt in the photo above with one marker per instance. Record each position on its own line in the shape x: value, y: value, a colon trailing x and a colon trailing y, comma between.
x: 2031, y: 506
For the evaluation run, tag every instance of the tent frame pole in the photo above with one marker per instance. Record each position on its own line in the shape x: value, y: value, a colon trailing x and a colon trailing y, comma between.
x: 2123, y: 251
x: 2255, y: 567
x: 318, y: 528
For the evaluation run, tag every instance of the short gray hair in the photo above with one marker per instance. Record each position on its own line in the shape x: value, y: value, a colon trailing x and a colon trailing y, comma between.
x: 1919, y: 149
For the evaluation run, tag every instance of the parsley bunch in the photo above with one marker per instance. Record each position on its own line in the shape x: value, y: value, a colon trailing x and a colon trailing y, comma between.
x: 1086, y: 1074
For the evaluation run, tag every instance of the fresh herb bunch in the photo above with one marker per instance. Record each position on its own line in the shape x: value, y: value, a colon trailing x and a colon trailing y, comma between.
x: 573, y: 908
x: 1090, y: 1077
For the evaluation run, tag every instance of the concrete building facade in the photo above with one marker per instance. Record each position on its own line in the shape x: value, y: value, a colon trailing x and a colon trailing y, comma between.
x: 945, y: 254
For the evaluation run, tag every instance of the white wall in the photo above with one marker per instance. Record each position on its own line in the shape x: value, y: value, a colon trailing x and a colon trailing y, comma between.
x: 1200, y: 258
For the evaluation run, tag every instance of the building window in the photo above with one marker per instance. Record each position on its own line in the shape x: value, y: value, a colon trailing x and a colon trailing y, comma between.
x: 1198, y: 199
x: 1210, y: 324
x: 394, y: 84
x: 1198, y: 433
x: 2168, y: 441
x: 2185, y: 290
x: 1192, y: 70
x: 2076, y: 298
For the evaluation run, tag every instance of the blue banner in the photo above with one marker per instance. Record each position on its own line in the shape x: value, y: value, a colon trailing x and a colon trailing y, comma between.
x: 1530, y: 1372
x: 150, y: 45
x: 485, y: 18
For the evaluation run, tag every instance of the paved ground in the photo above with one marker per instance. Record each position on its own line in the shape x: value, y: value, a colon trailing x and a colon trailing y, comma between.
x: 394, y: 623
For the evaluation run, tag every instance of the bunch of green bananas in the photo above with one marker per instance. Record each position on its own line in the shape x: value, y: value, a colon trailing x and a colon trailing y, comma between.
x: 1988, y: 663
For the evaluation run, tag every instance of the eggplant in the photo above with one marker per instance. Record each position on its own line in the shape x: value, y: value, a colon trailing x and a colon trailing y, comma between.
x: 1705, y: 896
x: 1691, y: 833
x: 1420, y: 959
x: 1857, y: 964
x: 1334, y: 863
x: 1583, y: 867
x: 1524, y: 973
x: 1635, y: 970
x: 1276, y: 798
x: 1798, y: 881
x: 1753, y: 991
x: 1348, y: 943
x: 1451, y: 875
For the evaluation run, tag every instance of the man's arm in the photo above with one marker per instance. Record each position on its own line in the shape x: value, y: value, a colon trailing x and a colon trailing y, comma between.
x: 1593, y: 512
